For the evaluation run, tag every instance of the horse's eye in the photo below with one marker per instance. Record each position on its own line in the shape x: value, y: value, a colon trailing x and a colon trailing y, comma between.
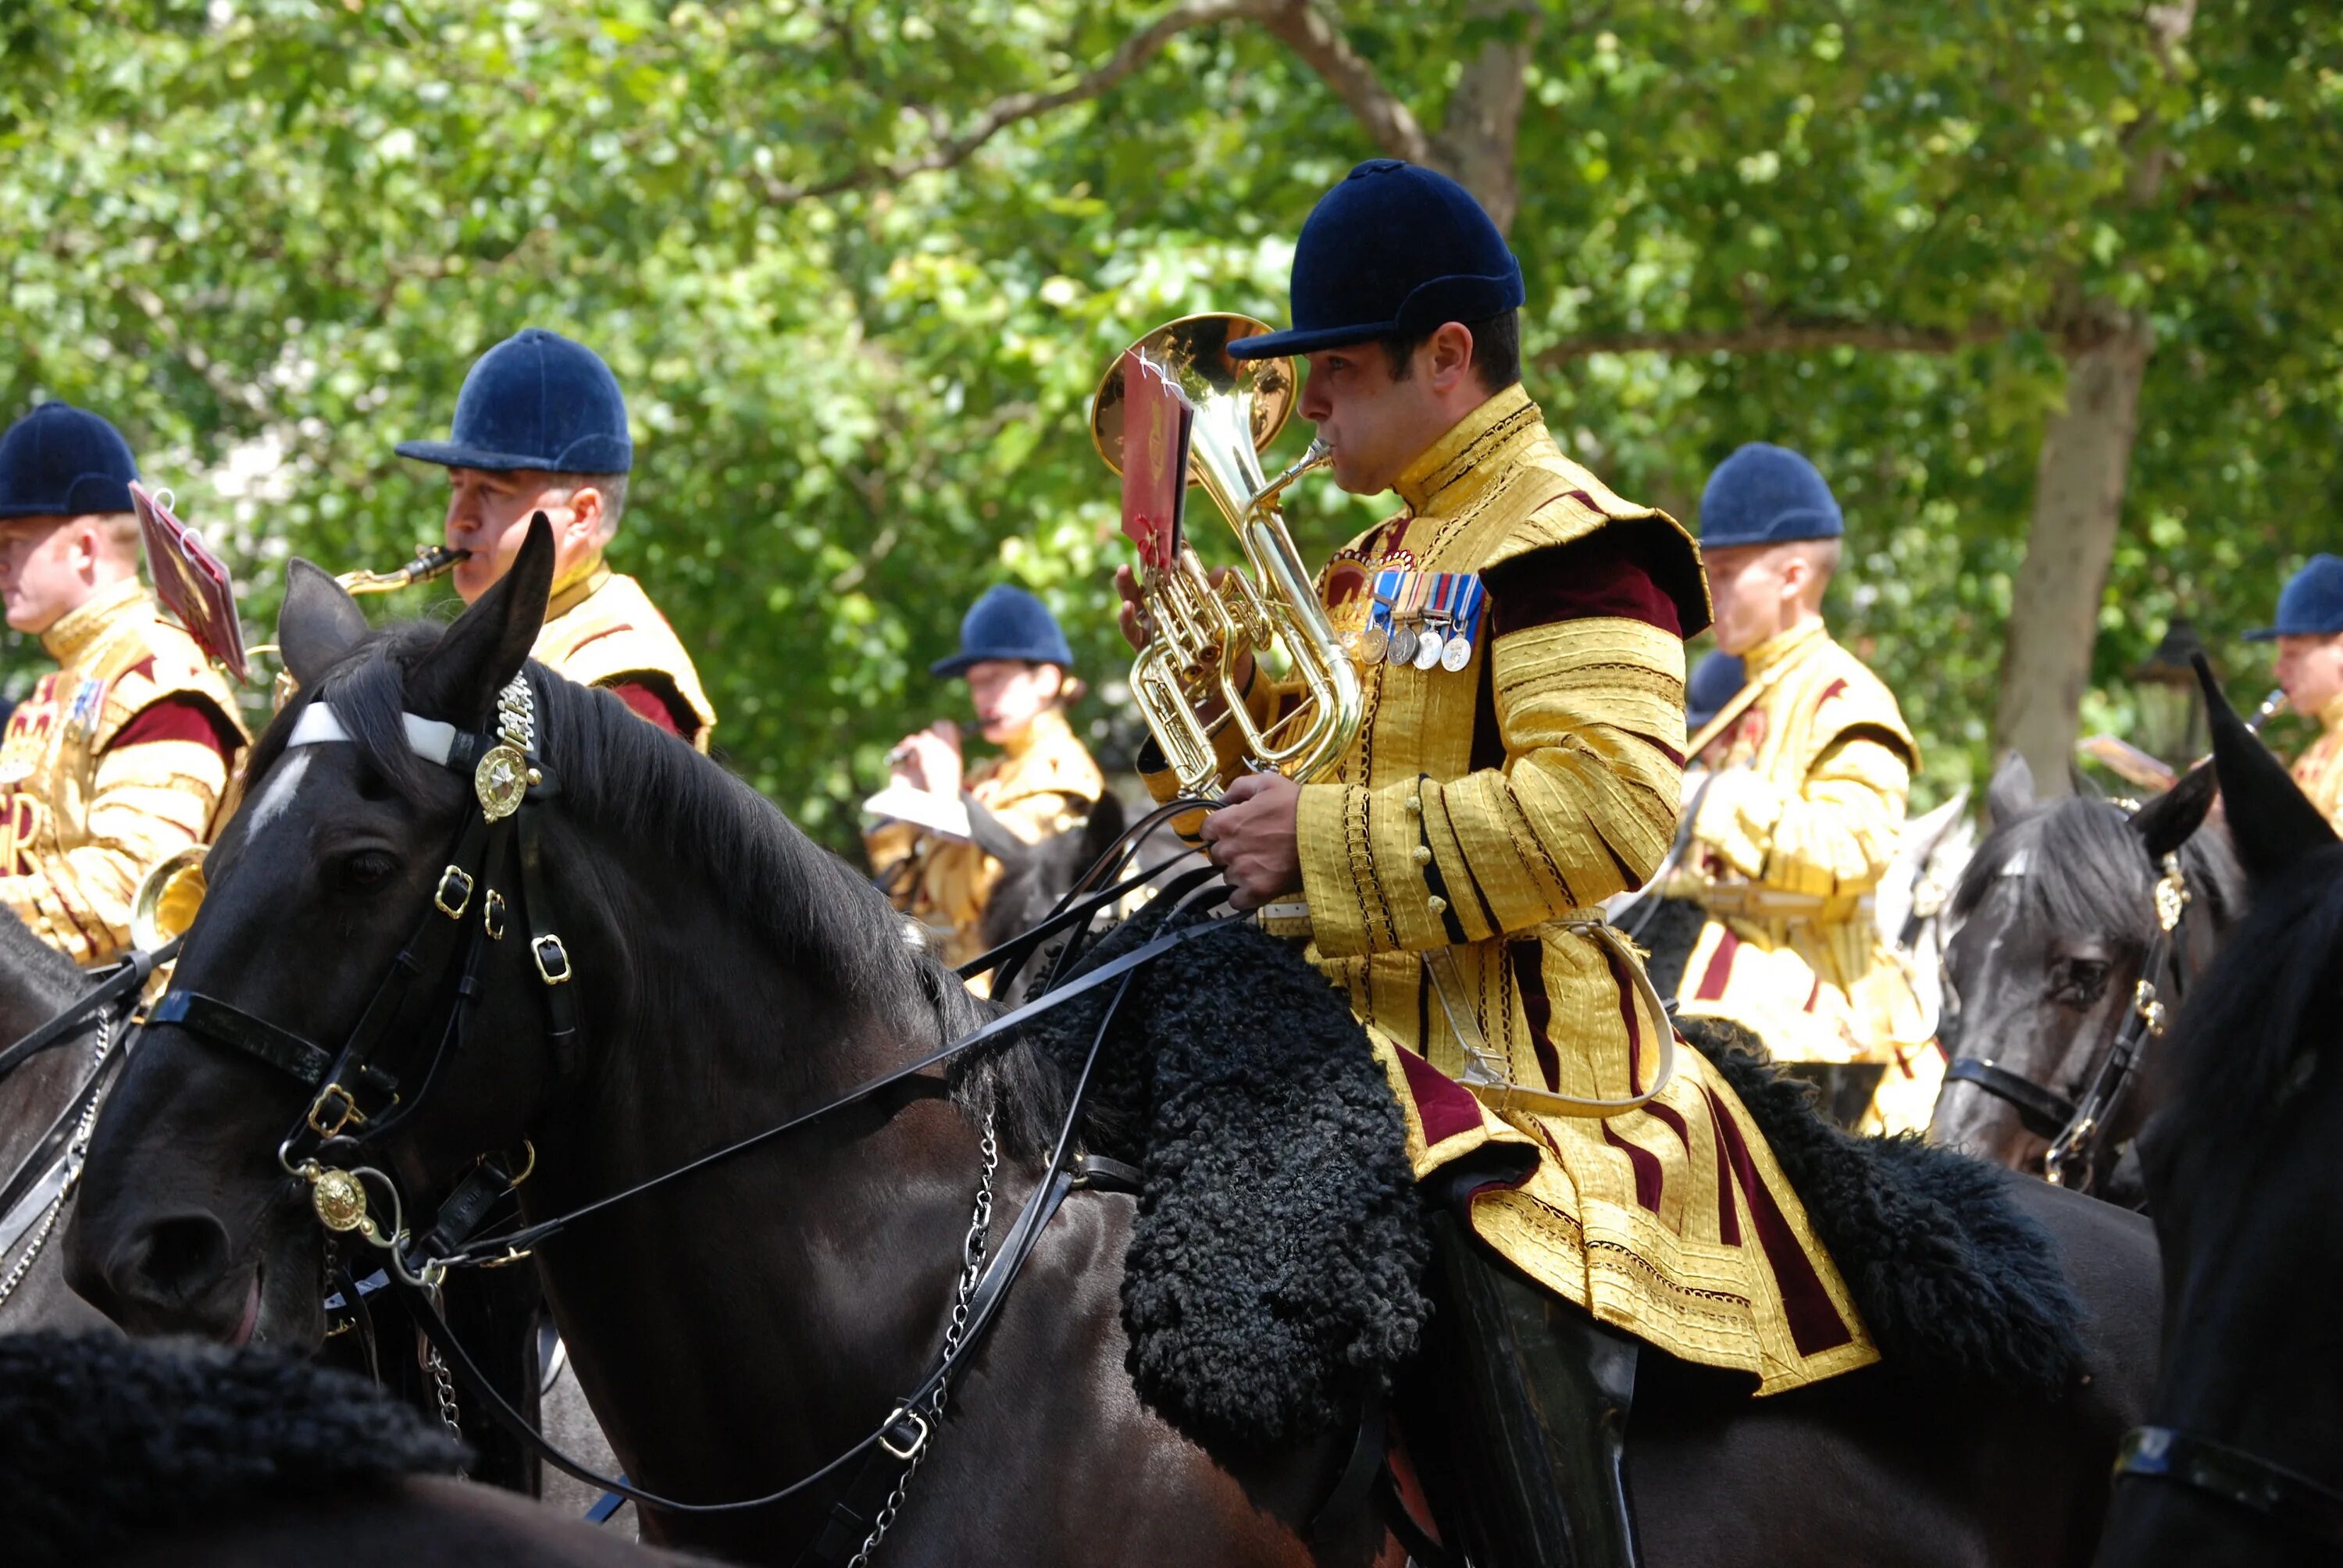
x: 366, y: 869
x: 2078, y: 982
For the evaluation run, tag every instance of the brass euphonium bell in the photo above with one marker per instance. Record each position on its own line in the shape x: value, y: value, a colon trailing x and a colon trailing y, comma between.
x: 1203, y: 632
x: 167, y: 897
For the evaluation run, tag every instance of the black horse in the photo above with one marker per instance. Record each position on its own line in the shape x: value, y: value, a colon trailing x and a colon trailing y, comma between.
x: 2056, y: 914
x: 2244, y: 1169
x: 738, y: 1329
x: 37, y: 984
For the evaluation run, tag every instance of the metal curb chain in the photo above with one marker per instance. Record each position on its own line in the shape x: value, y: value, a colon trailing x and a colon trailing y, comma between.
x: 76, y: 1148
x: 955, y: 1331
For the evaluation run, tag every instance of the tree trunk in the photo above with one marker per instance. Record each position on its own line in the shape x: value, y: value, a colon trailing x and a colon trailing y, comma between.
x: 1476, y: 144
x: 2079, y: 490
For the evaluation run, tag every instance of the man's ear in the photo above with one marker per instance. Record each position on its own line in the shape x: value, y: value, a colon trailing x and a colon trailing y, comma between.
x: 478, y: 656
x: 1448, y: 353
x: 317, y: 625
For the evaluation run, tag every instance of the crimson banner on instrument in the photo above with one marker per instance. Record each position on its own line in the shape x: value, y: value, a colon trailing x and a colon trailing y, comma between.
x: 190, y: 580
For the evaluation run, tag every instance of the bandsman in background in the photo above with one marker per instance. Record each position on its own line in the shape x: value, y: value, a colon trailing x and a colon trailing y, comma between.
x: 1715, y: 682
x: 1018, y: 666
x: 2309, y: 637
x: 126, y: 752
x: 1519, y: 634
x: 541, y: 426
x: 1801, y: 815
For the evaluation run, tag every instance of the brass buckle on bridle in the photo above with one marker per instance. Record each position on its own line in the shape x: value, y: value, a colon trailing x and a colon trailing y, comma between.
x: 548, y: 951
x: 460, y: 880
x: 492, y: 916
x: 341, y: 1105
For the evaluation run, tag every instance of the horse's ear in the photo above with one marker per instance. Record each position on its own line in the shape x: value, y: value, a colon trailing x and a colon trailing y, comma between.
x: 318, y: 623
x: 2011, y: 794
x: 2172, y: 818
x: 479, y: 655
x: 2270, y: 821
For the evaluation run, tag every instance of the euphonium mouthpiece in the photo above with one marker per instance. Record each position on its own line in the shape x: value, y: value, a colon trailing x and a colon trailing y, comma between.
x: 430, y: 562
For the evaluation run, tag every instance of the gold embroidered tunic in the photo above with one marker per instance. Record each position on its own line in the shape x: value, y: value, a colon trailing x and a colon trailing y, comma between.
x: 1043, y: 783
x: 2319, y: 768
x: 601, y: 630
x: 120, y: 757
x: 1792, y: 831
x: 1452, y: 869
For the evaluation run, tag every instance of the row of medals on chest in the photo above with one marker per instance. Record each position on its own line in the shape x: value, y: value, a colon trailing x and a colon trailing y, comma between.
x: 1422, y: 637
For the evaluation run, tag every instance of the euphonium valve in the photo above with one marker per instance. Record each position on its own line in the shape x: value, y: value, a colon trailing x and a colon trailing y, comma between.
x: 1189, y: 680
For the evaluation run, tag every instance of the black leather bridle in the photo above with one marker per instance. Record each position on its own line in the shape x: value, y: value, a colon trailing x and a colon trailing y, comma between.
x: 2077, y: 1127
x: 385, y: 1070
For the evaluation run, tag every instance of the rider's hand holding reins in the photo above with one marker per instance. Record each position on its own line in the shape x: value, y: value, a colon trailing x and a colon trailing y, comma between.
x: 1251, y: 839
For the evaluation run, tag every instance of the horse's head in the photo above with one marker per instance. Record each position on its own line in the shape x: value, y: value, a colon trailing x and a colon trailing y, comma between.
x: 2244, y: 1167
x: 187, y: 1221
x: 2057, y: 915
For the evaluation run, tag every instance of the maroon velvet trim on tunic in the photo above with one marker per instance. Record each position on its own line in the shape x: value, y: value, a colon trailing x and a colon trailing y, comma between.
x: 180, y: 717
x: 1720, y: 967
x: 1647, y: 1166
x: 1537, y: 1008
x: 1614, y: 572
x: 1814, y: 1321
x: 1445, y: 1107
x: 659, y: 705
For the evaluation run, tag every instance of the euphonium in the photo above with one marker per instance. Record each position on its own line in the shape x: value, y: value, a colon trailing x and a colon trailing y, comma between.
x: 1202, y: 633
x: 167, y: 897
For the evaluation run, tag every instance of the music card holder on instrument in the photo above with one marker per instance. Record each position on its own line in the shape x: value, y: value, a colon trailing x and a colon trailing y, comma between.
x: 190, y: 581
x: 1157, y: 420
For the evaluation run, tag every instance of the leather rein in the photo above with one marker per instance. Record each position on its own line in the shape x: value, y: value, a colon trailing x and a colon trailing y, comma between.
x: 2077, y: 1127
x: 375, y: 1082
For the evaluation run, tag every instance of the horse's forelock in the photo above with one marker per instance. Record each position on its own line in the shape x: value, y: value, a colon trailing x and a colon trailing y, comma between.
x: 2076, y: 866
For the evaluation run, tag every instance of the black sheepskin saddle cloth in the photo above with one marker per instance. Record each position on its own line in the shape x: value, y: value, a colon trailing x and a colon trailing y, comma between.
x: 1950, y: 1278
x: 104, y: 1440
x: 1273, y: 1274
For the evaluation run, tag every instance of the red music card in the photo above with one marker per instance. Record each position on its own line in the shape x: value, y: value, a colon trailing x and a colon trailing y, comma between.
x: 190, y: 581
x: 1156, y: 420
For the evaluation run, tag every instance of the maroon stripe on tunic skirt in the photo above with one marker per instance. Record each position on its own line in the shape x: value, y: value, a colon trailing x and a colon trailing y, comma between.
x: 1815, y: 995
x: 1647, y: 1166
x: 1627, y: 984
x: 1814, y: 1322
x: 1720, y: 967
x: 1728, y: 1212
x: 1669, y: 1114
x: 1445, y: 1107
x: 1537, y: 1008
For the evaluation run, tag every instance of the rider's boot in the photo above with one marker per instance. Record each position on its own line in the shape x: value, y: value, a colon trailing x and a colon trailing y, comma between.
x: 1538, y: 1396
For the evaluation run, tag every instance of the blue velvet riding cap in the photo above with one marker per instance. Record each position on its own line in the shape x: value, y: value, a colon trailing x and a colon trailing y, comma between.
x: 536, y: 400
x: 62, y: 461
x: 1766, y: 495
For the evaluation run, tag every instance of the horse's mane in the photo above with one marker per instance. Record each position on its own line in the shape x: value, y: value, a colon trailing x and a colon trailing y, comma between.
x: 629, y: 779
x: 50, y: 979
x: 2088, y: 871
x: 2276, y: 975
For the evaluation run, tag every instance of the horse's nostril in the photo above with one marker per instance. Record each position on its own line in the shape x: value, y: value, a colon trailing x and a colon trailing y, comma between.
x: 179, y: 1257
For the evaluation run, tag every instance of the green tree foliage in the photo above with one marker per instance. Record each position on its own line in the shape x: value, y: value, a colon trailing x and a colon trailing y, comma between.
x: 859, y: 265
